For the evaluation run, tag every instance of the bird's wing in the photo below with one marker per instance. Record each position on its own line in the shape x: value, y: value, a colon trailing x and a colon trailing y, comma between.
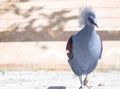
x: 69, y: 47
x: 101, y: 49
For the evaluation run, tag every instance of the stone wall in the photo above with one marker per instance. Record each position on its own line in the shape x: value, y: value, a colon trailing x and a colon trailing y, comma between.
x: 33, y: 33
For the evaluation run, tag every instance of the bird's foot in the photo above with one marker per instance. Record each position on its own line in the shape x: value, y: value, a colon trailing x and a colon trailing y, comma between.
x: 87, y: 87
x: 81, y: 87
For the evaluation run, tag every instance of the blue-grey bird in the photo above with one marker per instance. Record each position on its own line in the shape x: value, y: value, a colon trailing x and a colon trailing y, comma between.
x: 84, y: 48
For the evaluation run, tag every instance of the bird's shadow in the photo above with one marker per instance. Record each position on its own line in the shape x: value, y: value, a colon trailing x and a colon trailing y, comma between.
x: 56, y: 87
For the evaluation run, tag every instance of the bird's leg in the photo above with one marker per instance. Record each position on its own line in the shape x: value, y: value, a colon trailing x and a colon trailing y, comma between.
x: 86, y: 81
x: 80, y: 78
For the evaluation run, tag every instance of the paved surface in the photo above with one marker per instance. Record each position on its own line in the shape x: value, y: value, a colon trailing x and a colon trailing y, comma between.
x: 57, y: 80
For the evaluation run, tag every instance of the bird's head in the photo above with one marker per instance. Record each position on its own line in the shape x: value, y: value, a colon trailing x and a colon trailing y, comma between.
x: 87, y: 17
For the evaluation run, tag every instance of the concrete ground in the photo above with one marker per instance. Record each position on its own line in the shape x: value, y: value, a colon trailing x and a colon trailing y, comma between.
x: 57, y: 80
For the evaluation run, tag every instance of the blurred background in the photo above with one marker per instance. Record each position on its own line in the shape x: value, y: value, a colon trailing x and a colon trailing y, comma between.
x: 33, y: 33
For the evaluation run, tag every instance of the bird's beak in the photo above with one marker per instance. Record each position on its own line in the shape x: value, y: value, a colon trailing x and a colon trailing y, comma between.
x: 95, y: 23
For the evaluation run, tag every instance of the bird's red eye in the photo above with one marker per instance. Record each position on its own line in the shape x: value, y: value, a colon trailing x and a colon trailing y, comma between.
x: 90, y: 20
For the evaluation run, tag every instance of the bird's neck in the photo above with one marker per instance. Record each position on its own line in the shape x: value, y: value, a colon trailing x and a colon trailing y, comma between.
x: 89, y: 28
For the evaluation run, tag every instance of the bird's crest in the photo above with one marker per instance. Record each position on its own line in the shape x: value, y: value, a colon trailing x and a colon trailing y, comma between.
x: 84, y: 13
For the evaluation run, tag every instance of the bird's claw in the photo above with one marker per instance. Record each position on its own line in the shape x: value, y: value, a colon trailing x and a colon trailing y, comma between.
x: 88, y: 87
x: 81, y: 87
